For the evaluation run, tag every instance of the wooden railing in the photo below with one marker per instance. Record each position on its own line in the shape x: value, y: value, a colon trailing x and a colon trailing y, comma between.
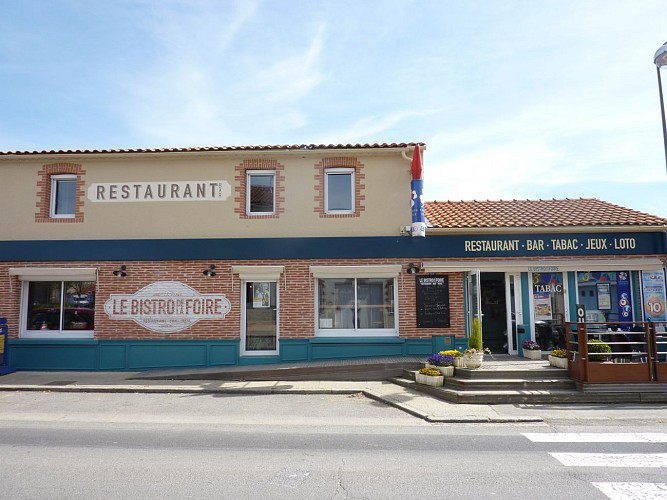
x: 638, y: 352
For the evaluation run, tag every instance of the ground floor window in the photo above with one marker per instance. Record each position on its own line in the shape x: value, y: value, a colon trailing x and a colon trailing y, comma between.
x: 59, y: 308
x: 356, y: 305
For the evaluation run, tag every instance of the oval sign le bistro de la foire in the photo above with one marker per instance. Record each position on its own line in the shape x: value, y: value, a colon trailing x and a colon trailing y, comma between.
x: 167, y: 306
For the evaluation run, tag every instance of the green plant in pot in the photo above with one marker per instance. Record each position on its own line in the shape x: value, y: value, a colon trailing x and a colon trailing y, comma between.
x: 598, y: 350
x: 474, y: 354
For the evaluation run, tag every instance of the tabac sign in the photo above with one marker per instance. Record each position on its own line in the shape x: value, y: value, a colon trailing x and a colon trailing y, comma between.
x: 167, y: 306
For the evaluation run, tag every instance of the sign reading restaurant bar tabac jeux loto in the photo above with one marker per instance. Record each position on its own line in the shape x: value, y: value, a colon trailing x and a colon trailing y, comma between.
x: 562, y: 244
x: 167, y: 306
x: 124, y: 192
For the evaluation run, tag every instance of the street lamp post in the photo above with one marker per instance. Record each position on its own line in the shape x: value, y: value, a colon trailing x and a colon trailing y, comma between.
x: 660, y: 60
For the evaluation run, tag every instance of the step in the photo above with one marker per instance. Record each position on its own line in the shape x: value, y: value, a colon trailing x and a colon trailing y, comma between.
x: 559, y: 396
x: 509, y: 384
x: 549, y: 373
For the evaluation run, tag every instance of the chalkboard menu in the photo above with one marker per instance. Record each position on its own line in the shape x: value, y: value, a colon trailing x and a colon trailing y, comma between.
x: 432, y: 301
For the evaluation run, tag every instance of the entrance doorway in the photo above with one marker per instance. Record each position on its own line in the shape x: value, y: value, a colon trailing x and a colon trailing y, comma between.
x: 260, y: 318
x: 494, y: 311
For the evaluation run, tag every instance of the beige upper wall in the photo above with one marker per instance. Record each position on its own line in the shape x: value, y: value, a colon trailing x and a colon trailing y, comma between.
x: 386, y: 192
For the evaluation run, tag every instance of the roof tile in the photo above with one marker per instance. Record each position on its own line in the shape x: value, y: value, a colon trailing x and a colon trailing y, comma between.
x: 535, y: 213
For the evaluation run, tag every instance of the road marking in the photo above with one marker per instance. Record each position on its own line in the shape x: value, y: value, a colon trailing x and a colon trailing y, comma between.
x: 633, y: 491
x: 584, y: 437
x: 612, y: 459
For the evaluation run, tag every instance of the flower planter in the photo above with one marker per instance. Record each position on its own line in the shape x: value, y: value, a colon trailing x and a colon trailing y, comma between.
x: 458, y: 362
x: 532, y: 354
x: 429, y: 380
x: 473, y: 361
x: 447, y: 371
x: 557, y: 362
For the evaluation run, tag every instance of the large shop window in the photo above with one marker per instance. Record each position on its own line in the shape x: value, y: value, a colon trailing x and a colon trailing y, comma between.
x: 59, y: 308
x: 57, y: 302
x: 356, y: 306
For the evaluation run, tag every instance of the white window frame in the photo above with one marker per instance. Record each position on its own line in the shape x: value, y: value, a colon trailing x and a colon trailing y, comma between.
x: 353, y: 272
x: 32, y: 274
x: 265, y: 173
x: 54, y: 194
x: 339, y: 171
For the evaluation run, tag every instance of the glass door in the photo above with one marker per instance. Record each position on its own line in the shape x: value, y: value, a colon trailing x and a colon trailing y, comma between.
x: 514, y: 312
x: 474, y: 297
x: 550, y: 309
x: 260, y: 318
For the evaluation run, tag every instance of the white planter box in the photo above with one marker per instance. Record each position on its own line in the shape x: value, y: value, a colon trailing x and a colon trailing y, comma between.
x: 429, y: 380
x: 473, y: 360
x: 458, y: 362
x: 532, y: 354
x: 557, y: 362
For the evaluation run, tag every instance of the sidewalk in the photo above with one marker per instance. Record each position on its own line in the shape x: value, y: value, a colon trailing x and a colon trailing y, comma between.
x: 413, y: 402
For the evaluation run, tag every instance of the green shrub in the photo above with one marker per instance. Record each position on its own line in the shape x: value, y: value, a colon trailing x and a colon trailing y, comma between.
x: 600, y: 347
x: 475, y: 340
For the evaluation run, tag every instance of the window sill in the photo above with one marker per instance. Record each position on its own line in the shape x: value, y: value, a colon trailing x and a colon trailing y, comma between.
x: 58, y: 335
x: 385, y: 332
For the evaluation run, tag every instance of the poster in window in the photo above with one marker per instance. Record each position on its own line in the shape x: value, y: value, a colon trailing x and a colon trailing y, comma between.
x: 432, y: 301
x: 655, y: 299
x: 542, y: 303
x: 604, y: 296
x: 261, y: 295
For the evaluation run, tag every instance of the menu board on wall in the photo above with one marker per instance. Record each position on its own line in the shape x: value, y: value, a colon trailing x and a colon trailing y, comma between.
x: 432, y: 301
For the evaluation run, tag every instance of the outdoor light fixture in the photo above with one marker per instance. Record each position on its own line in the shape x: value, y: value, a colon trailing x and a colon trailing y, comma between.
x: 210, y: 272
x: 120, y: 273
x: 413, y: 268
x: 660, y: 60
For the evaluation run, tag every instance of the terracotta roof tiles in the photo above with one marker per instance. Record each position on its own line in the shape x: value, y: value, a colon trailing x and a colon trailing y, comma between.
x: 284, y: 147
x: 535, y: 213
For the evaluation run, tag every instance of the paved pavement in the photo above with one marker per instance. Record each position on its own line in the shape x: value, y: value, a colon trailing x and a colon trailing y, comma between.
x: 416, y: 403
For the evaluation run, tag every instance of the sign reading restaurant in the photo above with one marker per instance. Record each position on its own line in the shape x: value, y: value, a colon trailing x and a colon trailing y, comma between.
x: 557, y: 244
x: 167, y: 306
x: 159, y: 191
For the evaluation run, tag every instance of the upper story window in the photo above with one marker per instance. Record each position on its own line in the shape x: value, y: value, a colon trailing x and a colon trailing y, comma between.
x: 63, y: 195
x: 261, y: 195
x: 339, y: 190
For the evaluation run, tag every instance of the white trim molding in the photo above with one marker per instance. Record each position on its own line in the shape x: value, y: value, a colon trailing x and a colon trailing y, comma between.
x: 616, y: 264
x: 259, y: 273
x: 54, y: 273
x: 379, y: 271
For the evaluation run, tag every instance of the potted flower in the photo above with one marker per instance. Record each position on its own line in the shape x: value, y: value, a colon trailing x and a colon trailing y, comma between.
x: 600, y: 347
x: 558, y: 358
x: 473, y: 356
x: 457, y: 355
x: 531, y: 349
x: 430, y: 376
x: 442, y: 362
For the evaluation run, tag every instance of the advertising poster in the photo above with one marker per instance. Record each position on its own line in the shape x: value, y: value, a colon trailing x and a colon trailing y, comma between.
x: 653, y: 288
x: 604, y: 296
x: 261, y: 295
x: 623, y: 297
x: 542, y: 306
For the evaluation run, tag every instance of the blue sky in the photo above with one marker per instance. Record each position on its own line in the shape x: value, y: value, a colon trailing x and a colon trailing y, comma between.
x: 514, y: 99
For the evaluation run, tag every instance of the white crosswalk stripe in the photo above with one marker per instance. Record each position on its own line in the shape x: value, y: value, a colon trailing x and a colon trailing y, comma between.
x: 612, y: 490
x: 633, y: 491
x: 581, y: 437
x: 611, y: 459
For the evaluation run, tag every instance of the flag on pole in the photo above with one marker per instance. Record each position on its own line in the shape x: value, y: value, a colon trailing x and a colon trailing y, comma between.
x: 418, y: 227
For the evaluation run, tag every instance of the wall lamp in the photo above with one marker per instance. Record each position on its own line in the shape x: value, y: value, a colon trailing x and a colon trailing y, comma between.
x: 413, y: 268
x: 210, y: 272
x: 120, y: 273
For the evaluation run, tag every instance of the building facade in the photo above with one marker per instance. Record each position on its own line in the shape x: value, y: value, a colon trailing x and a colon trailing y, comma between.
x: 203, y: 257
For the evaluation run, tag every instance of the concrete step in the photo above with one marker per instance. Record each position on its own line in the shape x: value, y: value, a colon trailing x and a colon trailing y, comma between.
x: 509, y: 384
x: 547, y: 396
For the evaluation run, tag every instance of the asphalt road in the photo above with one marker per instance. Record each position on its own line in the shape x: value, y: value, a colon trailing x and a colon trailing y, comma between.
x: 113, y: 446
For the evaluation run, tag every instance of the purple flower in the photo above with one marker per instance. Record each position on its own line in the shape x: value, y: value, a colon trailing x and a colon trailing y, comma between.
x: 440, y: 360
